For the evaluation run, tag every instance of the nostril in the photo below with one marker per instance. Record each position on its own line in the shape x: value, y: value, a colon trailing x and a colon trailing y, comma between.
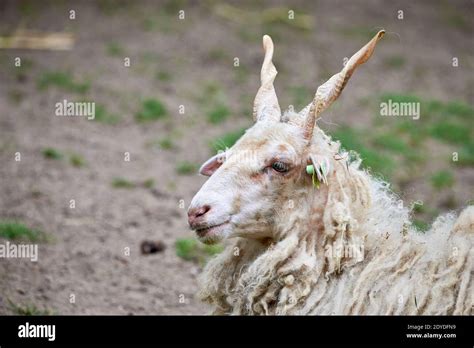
x: 203, y: 210
x: 195, y: 213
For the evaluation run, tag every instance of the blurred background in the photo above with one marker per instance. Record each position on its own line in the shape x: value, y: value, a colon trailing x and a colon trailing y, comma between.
x: 106, y: 199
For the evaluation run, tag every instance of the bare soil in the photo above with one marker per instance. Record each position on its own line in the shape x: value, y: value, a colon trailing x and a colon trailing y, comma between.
x: 88, y: 254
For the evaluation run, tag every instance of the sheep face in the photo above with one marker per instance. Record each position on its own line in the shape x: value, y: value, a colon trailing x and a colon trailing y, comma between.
x: 248, y: 184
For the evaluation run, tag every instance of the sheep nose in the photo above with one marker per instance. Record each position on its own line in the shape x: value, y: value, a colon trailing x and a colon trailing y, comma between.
x: 196, y: 215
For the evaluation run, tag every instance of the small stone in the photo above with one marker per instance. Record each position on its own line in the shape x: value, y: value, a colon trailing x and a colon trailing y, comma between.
x: 152, y: 247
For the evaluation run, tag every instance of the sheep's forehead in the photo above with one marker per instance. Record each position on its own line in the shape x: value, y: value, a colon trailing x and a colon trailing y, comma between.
x: 271, y: 138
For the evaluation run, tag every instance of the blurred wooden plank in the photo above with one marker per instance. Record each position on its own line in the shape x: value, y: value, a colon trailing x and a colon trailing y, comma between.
x: 35, y: 40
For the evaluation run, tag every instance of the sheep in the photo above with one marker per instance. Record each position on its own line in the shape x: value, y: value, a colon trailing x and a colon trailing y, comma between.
x: 334, y: 242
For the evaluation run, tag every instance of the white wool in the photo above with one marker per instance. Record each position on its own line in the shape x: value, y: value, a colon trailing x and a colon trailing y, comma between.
x: 403, y: 271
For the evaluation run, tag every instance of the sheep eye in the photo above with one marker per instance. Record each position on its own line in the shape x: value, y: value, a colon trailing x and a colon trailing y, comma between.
x: 280, y: 167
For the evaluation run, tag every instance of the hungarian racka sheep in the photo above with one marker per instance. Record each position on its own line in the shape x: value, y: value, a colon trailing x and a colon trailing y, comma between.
x: 310, y: 232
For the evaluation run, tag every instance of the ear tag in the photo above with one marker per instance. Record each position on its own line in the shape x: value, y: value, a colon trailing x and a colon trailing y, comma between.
x: 310, y: 170
x: 319, y: 170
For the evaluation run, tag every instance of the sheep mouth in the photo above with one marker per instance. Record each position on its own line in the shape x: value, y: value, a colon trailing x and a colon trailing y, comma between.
x: 213, y: 229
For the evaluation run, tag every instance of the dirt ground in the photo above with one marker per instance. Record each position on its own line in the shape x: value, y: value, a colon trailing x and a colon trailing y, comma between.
x: 186, y: 62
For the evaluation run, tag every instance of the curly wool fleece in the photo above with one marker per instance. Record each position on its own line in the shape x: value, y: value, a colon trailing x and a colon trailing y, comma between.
x: 398, y: 270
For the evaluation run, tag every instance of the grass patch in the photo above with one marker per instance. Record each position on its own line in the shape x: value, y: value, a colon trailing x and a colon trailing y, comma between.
x: 122, y: 183
x: 114, y: 49
x: 419, y: 208
x: 390, y: 142
x: 416, y: 132
x: 186, y: 168
x: 102, y: 116
x: 149, y: 183
x: 399, y: 98
x: 395, y: 62
x: 440, y: 120
x: 227, y: 140
x: 152, y: 110
x: 466, y: 155
x: 77, y: 160
x: 213, y: 100
x: 163, y: 76
x: 52, y: 153
x: 190, y: 249
x: 300, y: 96
x: 377, y: 162
x: 149, y: 24
x: 442, y: 179
x: 450, y: 132
x: 217, y: 54
x: 14, y: 230
x: 420, y: 225
x: 63, y: 80
x: 166, y: 144
x: 456, y: 20
x: 218, y: 114
x: 459, y: 109
x: 28, y: 309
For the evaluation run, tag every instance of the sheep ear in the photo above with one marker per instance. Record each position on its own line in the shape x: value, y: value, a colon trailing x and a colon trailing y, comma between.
x: 328, y: 92
x: 265, y: 105
x: 212, y: 164
x: 322, y: 167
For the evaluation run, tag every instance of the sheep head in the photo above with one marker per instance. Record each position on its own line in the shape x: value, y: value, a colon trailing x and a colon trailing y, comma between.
x: 250, y: 183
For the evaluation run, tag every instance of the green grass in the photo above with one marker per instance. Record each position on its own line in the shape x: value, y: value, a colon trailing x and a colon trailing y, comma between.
x: 300, y: 96
x: 149, y: 24
x: 151, y: 110
x: 52, y: 153
x: 459, y: 109
x: 186, y: 168
x: 453, y: 109
x: 419, y: 208
x: 14, y: 230
x: 163, y: 76
x: 190, y: 249
x: 466, y: 155
x: 218, y: 54
x: 149, y: 183
x: 227, y: 140
x: 445, y: 122
x: 442, y: 179
x: 63, y: 80
x: 377, y: 162
x: 114, y: 49
x: 400, y: 98
x: 122, y: 183
x: 218, y: 114
x: 391, y: 143
x: 28, y: 309
x: 77, y: 160
x: 456, y: 20
x: 395, y: 62
x: 451, y: 132
x: 166, y: 143
x: 103, y: 116
x: 421, y: 225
